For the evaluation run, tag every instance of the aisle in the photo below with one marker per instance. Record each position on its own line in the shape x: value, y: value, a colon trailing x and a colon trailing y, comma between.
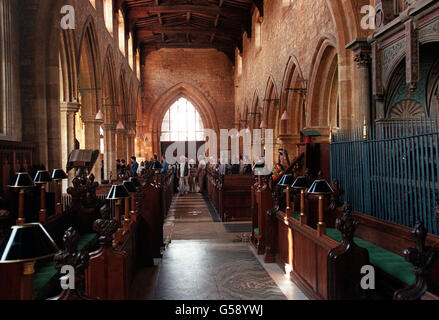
x: 202, y: 262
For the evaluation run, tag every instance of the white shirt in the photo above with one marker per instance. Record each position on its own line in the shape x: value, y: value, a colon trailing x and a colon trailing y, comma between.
x: 182, y: 165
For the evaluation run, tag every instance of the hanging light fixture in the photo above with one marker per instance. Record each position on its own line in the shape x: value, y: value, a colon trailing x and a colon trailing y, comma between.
x: 100, y: 115
x: 263, y: 126
x: 285, y: 116
x: 120, y: 126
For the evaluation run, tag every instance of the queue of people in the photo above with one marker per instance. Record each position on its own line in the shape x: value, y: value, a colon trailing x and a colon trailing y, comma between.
x: 134, y: 168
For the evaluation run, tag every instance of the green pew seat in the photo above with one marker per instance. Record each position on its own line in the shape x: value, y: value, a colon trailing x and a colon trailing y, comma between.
x: 387, y: 261
x: 296, y: 215
x: 46, y: 277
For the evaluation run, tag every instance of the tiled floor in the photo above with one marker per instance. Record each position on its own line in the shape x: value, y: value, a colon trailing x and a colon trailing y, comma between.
x: 202, y: 262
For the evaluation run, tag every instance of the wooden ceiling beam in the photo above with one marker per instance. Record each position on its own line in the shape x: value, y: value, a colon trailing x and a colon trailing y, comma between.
x: 148, y: 10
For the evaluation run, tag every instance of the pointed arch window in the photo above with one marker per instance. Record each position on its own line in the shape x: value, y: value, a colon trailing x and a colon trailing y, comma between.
x: 108, y: 15
x: 182, y: 122
x: 130, y: 51
x: 121, y: 24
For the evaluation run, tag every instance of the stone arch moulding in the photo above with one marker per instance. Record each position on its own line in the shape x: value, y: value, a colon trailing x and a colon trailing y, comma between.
x: 89, y: 67
x: 161, y: 106
x: 270, y: 100
x: 292, y: 101
x: 109, y: 85
x: 319, y: 83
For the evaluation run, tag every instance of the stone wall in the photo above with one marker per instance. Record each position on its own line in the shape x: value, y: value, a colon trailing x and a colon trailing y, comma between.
x: 203, y: 76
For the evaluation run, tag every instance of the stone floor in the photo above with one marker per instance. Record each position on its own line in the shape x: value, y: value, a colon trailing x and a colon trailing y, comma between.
x: 204, y: 262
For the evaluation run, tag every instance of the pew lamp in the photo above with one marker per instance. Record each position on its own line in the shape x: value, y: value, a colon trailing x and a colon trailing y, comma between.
x: 118, y: 193
x: 27, y: 244
x: 129, y: 215
x: 58, y: 175
x: 258, y: 170
x: 42, y: 178
x: 135, y: 181
x: 21, y: 182
x: 321, y: 188
x: 286, y: 182
x: 301, y: 183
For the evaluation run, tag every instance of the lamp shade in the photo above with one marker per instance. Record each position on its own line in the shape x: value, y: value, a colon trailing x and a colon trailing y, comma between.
x: 100, y: 116
x: 263, y: 126
x: 300, y: 183
x: 120, y: 126
x: 136, y: 182
x: 259, y: 168
x: 118, y: 192
x: 320, y: 187
x: 22, y: 180
x: 59, y: 174
x: 285, y: 116
x: 130, y: 186
x: 28, y: 242
x: 286, y: 180
x: 42, y: 177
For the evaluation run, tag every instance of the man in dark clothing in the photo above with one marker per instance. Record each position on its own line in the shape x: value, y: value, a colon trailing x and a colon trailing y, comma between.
x: 134, y: 166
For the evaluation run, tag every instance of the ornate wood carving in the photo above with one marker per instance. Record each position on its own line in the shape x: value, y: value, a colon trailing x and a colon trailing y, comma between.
x: 346, y: 261
x: 334, y: 201
x: 422, y: 258
x: 78, y: 260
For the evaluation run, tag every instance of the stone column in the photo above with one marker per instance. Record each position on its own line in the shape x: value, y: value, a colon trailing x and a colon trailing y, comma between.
x: 68, y: 113
x: 362, y: 52
x: 110, y: 155
x: 92, y: 140
x: 121, y: 144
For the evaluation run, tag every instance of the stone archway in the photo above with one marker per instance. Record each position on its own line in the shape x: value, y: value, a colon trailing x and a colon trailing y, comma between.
x: 323, y: 92
x: 183, y: 90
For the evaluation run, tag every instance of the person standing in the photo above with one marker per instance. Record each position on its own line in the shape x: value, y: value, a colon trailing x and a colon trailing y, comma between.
x: 134, y: 166
x: 193, y: 176
x: 183, y: 173
x: 165, y: 165
x: 141, y: 168
x: 201, y: 173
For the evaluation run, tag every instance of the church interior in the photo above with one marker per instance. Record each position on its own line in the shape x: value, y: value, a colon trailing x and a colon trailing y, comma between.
x: 117, y: 184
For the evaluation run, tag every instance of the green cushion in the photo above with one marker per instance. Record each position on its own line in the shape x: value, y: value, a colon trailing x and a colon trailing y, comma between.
x: 296, y: 215
x: 46, y: 278
x: 87, y: 241
x: 256, y: 231
x: 386, y: 260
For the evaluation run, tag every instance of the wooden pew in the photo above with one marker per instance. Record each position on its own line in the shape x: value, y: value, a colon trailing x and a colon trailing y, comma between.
x: 43, y: 281
x: 113, y: 265
x: 322, y: 267
x: 230, y: 195
x: 235, y: 197
x: 386, y: 243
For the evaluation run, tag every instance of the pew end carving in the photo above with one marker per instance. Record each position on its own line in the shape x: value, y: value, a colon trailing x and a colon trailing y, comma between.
x: 344, y: 263
x: 425, y: 261
x: 79, y: 260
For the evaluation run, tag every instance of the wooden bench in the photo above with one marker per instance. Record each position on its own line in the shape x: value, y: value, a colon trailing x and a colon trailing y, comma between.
x: 235, y: 197
x: 304, y: 255
x: 386, y: 243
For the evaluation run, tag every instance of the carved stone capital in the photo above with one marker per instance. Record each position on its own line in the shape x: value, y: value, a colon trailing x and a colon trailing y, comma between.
x: 69, y: 107
x: 363, y: 59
